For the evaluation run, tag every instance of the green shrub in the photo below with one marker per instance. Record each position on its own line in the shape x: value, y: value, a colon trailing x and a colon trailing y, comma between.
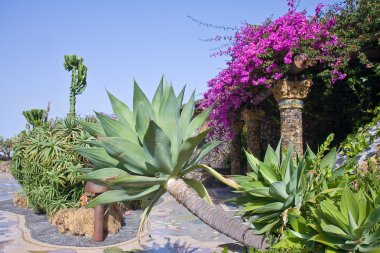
x: 46, y: 166
x: 351, y: 225
x: 281, y: 185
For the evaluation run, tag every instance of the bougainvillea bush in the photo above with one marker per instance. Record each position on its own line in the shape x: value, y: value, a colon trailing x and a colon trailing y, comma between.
x: 261, y: 54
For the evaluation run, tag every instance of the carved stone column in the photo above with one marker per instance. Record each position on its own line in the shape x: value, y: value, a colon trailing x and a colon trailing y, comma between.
x: 236, y: 128
x: 289, y: 96
x: 253, y: 117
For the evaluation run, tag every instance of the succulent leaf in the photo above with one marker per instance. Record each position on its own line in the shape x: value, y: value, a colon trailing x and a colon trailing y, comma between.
x: 115, y: 128
x: 93, y: 129
x: 97, y: 156
x: 122, y: 111
x: 121, y: 195
x: 199, y: 188
x: 156, y: 146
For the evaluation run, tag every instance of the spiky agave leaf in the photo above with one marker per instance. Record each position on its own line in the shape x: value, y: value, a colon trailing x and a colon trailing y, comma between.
x: 275, y: 186
x: 352, y: 225
x: 138, y: 152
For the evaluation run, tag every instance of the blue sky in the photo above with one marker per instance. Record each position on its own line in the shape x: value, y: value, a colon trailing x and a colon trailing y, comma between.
x: 119, y: 40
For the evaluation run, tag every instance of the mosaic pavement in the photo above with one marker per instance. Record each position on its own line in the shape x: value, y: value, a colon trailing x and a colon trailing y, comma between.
x: 172, y: 229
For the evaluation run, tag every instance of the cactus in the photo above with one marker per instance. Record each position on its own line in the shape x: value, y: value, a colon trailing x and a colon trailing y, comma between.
x: 35, y: 117
x: 78, y: 78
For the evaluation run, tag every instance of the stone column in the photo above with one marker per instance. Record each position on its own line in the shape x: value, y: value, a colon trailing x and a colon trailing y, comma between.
x: 253, y: 117
x: 236, y: 128
x: 289, y: 96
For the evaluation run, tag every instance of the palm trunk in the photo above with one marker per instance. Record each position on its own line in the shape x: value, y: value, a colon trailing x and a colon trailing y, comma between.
x: 213, y: 217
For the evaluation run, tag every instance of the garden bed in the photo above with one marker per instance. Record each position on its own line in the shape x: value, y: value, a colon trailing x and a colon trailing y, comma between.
x: 43, y: 231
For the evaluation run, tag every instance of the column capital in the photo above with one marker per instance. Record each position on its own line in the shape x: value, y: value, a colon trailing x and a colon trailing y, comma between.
x: 286, y: 89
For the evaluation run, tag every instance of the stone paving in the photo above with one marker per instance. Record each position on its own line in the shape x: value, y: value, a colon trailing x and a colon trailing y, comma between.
x: 171, y: 229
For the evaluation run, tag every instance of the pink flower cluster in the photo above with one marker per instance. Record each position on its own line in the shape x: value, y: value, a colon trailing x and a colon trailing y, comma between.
x: 262, y: 54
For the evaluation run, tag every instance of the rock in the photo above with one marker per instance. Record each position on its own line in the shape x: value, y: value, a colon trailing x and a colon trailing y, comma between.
x: 20, y: 200
x: 80, y: 221
x: 5, y: 166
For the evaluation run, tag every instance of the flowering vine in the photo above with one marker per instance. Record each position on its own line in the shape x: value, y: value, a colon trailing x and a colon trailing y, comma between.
x: 262, y: 54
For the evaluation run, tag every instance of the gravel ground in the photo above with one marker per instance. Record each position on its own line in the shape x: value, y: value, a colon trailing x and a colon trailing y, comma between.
x: 43, y: 231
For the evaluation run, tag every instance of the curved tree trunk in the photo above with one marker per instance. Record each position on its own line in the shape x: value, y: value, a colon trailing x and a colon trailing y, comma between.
x: 213, y: 217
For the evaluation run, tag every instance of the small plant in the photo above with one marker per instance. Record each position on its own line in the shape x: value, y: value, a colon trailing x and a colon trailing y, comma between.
x: 280, y: 186
x: 352, y: 225
x: 35, y: 117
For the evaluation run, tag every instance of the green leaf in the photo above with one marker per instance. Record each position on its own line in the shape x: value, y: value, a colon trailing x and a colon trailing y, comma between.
x: 122, y: 111
x: 207, y: 148
x: 157, y: 148
x: 187, y: 149
x: 278, y: 191
x: 268, y: 172
x: 298, y: 223
x: 348, y: 202
x: 197, y: 122
x: 121, y: 195
x: 200, y: 190
x: 115, y: 128
x: 311, y: 153
x: 142, y: 121
x: 272, y: 207
x: 331, y: 213
x: 335, y: 231
x: 139, y: 99
x: 157, y: 98
x: 352, y: 224
x: 102, y: 174
x: 128, y: 153
x: 332, y: 242
x: 93, y: 129
x: 170, y: 123
x: 180, y: 96
x: 331, y: 250
x: 186, y: 116
x: 261, y: 229
x: 147, y: 210
x: 373, y: 218
x: 97, y: 156
x: 259, y: 192
x: 132, y: 181
x: 329, y: 160
x: 253, y: 163
x: 271, y: 157
x: 286, y: 170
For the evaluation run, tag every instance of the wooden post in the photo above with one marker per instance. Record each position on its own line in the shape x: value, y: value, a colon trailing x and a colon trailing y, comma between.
x: 98, y: 211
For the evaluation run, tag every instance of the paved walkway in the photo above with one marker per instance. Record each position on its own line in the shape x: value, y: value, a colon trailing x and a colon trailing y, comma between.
x: 171, y: 229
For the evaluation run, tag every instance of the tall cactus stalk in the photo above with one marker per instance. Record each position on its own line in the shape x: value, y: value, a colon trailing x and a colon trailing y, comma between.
x: 78, y: 78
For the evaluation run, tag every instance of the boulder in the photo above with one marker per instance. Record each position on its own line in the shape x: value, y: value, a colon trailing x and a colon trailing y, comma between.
x: 80, y: 221
x: 20, y: 200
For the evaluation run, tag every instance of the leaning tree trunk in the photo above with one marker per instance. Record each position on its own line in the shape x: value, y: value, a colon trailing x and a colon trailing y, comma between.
x: 213, y: 217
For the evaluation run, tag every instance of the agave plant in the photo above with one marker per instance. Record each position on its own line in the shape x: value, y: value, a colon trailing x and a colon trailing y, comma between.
x: 278, y: 187
x: 353, y: 225
x: 148, y: 151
